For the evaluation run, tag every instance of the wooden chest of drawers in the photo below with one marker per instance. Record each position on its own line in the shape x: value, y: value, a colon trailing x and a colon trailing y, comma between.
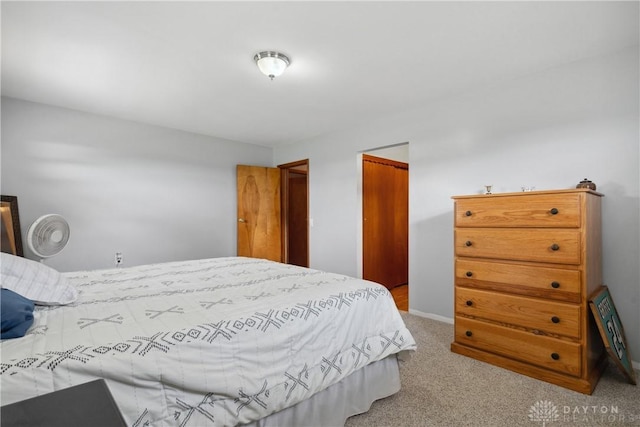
x: 525, y: 267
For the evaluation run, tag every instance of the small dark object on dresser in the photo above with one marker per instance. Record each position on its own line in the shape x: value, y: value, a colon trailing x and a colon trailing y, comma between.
x: 585, y: 183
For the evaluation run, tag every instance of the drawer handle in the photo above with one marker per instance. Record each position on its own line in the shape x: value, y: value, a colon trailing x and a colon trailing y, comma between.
x: 555, y: 319
x: 469, y: 273
x: 468, y: 243
x: 469, y: 303
x: 555, y: 247
x: 554, y: 211
x: 468, y: 333
x: 555, y: 356
x: 467, y: 213
x: 555, y: 285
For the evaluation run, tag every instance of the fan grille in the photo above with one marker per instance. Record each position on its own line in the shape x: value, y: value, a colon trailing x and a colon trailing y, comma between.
x: 48, y: 235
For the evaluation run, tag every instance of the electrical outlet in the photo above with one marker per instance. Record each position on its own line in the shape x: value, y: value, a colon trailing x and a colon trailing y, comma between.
x: 118, y: 259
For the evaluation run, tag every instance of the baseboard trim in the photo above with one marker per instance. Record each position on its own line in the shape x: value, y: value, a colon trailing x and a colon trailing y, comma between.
x: 432, y: 316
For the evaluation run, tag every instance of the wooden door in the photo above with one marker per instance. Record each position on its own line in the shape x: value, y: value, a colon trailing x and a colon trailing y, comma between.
x: 385, y: 207
x: 259, y: 222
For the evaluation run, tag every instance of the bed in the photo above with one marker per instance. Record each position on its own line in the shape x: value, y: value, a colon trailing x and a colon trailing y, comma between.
x: 220, y: 342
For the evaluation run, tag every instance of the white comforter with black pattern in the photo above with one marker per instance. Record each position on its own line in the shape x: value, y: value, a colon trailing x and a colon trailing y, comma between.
x: 219, y: 341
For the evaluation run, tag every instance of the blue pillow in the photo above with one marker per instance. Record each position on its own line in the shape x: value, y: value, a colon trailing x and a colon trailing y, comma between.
x: 17, y: 314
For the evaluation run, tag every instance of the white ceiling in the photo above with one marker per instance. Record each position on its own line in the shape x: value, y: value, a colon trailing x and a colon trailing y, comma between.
x: 189, y: 65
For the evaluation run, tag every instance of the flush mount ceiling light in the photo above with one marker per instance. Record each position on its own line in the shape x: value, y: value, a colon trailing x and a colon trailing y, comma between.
x: 271, y: 63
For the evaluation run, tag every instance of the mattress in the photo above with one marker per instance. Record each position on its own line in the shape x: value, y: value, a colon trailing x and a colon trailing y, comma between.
x: 222, y: 341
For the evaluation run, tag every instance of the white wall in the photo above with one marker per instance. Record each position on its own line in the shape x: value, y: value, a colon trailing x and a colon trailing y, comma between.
x: 154, y: 194
x: 399, y: 153
x: 547, y: 130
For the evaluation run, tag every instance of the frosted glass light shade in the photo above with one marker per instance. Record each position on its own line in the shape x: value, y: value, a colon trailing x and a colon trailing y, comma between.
x: 271, y: 64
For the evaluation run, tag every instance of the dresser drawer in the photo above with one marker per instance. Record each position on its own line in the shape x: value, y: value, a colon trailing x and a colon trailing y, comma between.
x: 551, y: 353
x: 555, y: 283
x: 541, y: 245
x: 537, y: 315
x: 527, y: 210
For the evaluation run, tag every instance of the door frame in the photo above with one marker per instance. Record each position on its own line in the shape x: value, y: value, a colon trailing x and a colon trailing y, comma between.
x: 285, y: 170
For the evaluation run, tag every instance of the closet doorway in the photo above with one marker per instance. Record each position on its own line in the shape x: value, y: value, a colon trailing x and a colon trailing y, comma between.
x: 385, y: 221
x: 295, y: 212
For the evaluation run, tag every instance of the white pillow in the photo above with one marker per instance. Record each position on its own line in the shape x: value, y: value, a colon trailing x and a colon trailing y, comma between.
x: 36, y: 281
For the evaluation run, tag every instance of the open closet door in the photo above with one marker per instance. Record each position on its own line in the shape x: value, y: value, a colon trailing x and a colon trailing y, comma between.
x: 385, y: 225
x: 259, y: 221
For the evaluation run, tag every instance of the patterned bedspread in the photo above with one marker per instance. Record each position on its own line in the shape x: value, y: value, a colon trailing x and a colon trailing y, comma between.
x: 220, y: 341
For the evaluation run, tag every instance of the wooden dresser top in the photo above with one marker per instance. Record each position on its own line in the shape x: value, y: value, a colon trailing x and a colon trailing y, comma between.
x: 531, y: 193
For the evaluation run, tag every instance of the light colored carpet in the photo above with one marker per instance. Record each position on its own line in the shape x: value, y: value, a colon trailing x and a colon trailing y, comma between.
x: 441, y: 388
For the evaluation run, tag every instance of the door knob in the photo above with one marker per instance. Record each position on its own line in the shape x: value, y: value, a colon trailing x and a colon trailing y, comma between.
x: 241, y: 220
